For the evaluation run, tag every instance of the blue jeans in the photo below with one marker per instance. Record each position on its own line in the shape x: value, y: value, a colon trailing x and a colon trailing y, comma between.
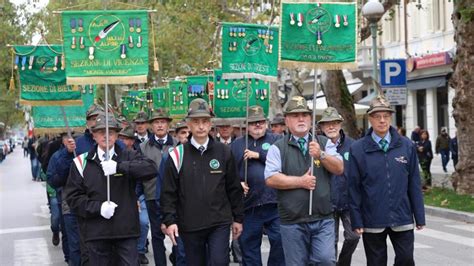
x: 72, y: 232
x: 35, y: 169
x: 55, y: 209
x: 144, y: 225
x: 179, y: 253
x: 309, y: 243
x: 257, y: 219
x: 157, y: 237
x: 444, y: 158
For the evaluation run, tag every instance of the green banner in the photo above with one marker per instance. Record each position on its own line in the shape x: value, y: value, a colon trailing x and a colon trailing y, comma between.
x: 42, y: 76
x: 161, y: 98
x: 178, y: 99
x: 106, y: 47
x: 249, y: 51
x: 197, y: 87
x: 318, y: 35
x: 51, y: 118
x: 134, y: 102
x: 230, y: 95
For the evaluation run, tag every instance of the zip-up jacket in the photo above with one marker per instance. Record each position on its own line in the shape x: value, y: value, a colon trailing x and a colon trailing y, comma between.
x: 339, y: 189
x: 205, y: 193
x: 384, y: 187
x: 259, y: 193
x: 86, y: 192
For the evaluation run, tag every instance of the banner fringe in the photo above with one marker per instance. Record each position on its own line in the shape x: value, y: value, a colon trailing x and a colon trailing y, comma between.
x: 249, y: 75
x: 106, y: 80
x: 322, y: 66
x: 51, y: 103
x: 57, y: 130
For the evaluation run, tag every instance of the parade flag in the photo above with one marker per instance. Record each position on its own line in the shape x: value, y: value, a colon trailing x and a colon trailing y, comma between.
x: 42, y: 76
x: 106, y: 47
x: 318, y: 34
x: 197, y: 87
x: 161, y: 98
x: 178, y: 99
x: 48, y: 119
x: 134, y: 102
x: 249, y: 51
x: 230, y: 95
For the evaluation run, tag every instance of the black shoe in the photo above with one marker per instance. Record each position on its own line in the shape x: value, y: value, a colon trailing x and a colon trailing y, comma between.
x: 142, y: 259
x: 56, y: 239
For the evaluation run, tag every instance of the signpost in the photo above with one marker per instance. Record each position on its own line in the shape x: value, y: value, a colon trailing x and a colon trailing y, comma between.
x: 393, y: 80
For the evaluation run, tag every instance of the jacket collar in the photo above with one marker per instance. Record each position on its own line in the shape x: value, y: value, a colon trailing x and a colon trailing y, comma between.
x: 168, y: 142
x: 371, y: 146
x: 92, y: 155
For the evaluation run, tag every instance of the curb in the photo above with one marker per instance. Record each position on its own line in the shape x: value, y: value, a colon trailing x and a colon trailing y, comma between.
x: 450, y: 214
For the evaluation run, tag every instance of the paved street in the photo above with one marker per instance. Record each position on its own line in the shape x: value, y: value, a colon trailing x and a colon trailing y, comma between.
x: 25, y: 237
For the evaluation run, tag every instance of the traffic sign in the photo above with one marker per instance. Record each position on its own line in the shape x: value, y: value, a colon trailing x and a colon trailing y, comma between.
x: 393, y: 73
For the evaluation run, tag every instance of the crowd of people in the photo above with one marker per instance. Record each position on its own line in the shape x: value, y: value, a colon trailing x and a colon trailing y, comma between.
x: 216, y: 193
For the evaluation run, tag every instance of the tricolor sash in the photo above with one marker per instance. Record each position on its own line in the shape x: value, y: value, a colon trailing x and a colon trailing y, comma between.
x: 80, y: 162
x: 176, y: 155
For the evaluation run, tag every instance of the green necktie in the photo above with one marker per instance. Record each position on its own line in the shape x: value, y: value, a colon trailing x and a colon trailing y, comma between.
x: 301, y: 144
x: 383, y: 144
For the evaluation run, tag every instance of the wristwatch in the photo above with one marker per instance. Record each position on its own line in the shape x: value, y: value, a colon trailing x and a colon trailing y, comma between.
x: 322, y: 155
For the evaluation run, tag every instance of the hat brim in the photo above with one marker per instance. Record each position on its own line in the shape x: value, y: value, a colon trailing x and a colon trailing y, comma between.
x: 200, y: 115
x: 103, y: 127
x: 93, y: 114
x: 298, y: 111
x: 127, y: 136
x: 380, y: 109
x: 330, y: 120
x: 256, y: 119
x: 140, y: 121
x: 166, y: 118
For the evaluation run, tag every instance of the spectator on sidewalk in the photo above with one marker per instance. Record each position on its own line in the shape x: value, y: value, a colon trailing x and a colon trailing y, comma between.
x: 425, y: 156
x: 453, y: 148
x: 415, y: 134
x: 442, y: 147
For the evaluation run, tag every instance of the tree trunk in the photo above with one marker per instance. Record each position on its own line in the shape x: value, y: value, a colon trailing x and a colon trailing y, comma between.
x: 463, y: 84
x: 339, y: 97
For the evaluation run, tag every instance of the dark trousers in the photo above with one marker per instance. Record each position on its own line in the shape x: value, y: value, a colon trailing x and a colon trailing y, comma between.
x: 426, y: 171
x: 351, y: 239
x: 444, y: 158
x: 207, y: 247
x: 375, y: 246
x: 256, y: 220
x: 73, y: 240
x: 113, y: 252
x: 157, y: 237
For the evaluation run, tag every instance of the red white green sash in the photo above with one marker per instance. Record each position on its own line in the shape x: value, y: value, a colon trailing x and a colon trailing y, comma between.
x: 176, y: 155
x: 80, y: 162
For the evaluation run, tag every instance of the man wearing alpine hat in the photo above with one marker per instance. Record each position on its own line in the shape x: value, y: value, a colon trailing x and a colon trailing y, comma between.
x: 201, y: 195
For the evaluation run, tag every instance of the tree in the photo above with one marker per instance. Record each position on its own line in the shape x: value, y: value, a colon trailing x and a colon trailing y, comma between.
x: 463, y: 84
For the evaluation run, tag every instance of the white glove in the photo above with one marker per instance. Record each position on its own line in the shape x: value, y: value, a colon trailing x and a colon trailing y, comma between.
x: 107, y: 209
x: 109, y: 167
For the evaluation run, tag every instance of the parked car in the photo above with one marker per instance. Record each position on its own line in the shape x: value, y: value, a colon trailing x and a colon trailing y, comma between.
x: 3, y: 150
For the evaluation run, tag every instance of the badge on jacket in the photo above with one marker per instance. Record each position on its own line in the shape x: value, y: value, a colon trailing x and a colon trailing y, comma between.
x: 401, y: 159
x: 214, y: 164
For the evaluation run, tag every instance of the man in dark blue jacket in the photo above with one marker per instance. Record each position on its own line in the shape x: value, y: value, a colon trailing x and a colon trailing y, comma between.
x: 385, y: 189
x: 331, y: 126
x: 260, y: 201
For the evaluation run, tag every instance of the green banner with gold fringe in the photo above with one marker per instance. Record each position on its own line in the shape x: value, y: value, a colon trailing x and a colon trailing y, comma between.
x: 50, y: 118
x: 161, y: 98
x: 134, y: 102
x: 320, y: 35
x: 230, y: 95
x: 249, y: 51
x: 106, y: 46
x: 42, y: 76
x: 179, y: 101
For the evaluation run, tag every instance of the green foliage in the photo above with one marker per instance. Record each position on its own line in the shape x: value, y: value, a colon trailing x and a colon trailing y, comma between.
x: 446, y: 198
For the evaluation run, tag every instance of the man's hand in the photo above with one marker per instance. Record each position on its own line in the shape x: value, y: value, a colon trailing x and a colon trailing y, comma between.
x: 107, y: 209
x: 163, y: 229
x: 308, y: 181
x: 109, y: 167
x: 172, y: 232
x: 236, y: 230
x: 314, y: 149
x: 71, y: 145
x: 359, y: 231
x: 245, y: 187
x: 248, y: 154
x: 420, y: 227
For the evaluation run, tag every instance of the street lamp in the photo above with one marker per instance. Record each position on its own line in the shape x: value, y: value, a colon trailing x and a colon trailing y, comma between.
x: 373, y: 11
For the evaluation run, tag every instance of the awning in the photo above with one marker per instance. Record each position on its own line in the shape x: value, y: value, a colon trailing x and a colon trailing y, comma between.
x: 367, y: 99
x: 427, y: 83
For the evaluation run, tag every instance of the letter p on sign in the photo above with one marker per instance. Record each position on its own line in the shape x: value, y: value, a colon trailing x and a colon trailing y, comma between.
x: 393, y: 73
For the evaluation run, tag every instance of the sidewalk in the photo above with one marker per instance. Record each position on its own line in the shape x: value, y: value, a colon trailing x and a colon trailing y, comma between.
x: 442, y: 179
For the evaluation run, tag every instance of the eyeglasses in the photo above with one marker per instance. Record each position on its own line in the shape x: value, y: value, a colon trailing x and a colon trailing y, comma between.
x: 379, y: 117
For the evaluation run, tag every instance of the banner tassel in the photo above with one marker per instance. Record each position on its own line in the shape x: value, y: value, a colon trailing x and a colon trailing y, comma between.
x: 156, y: 66
x: 12, y: 78
x: 12, y: 83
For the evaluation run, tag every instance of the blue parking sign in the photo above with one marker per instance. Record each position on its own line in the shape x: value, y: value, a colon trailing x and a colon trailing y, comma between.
x: 393, y: 73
